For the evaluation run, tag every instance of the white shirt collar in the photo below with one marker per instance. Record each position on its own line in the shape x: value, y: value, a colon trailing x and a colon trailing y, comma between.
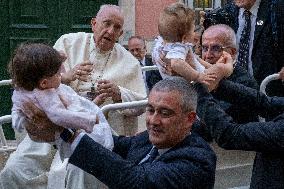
x: 253, y: 10
x: 162, y: 151
x: 143, y: 61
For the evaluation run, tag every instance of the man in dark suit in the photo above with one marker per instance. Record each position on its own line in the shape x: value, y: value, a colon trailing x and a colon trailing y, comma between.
x: 167, y: 155
x: 215, y: 40
x: 266, y: 138
x: 137, y: 47
x: 265, y: 38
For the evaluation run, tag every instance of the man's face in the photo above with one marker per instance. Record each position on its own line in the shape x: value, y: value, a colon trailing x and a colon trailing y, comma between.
x: 107, y: 28
x: 137, y: 48
x: 246, y: 4
x: 166, y: 123
x: 212, y: 47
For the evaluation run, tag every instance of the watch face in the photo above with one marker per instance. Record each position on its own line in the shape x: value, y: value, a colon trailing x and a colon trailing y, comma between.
x: 67, y: 134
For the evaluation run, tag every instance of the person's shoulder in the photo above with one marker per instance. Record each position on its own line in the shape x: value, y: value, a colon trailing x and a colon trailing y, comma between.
x: 194, y: 142
x: 143, y: 136
x: 73, y: 37
x: 63, y: 87
x: 121, y: 52
x: 119, y: 48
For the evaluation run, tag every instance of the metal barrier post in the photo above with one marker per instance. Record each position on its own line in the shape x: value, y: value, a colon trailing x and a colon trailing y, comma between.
x: 4, y: 119
x: 5, y: 82
x: 266, y: 81
x: 148, y: 68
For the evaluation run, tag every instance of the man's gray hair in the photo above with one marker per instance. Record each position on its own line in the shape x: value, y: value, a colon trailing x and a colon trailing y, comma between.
x: 109, y: 6
x: 229, y: 35
x: 188, y: 93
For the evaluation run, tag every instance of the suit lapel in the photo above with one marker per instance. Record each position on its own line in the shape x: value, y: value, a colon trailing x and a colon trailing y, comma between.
x: 235, y: 13
x: 262, y: 18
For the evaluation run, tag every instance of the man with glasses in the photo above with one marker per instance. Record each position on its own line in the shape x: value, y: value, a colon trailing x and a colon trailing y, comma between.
x: 260, y: 37
x: 137, y: 47
x: 215, y: 40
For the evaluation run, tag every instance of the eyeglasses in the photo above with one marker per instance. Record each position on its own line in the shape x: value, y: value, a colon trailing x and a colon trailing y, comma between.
x: 213, y: 48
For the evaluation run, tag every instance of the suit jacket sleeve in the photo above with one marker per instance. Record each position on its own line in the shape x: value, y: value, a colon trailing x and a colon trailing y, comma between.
x: 254, y: 136
x: 116, y: 172
x: 250, y: 98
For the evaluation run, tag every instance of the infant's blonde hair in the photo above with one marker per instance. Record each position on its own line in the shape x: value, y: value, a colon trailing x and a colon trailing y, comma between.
x: 175, y: 21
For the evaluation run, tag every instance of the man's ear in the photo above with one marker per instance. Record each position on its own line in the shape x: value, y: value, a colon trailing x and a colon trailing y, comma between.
x: 233, y: 52
x: 93, y: 23
x: 42, y: 84
x: 191, y: 116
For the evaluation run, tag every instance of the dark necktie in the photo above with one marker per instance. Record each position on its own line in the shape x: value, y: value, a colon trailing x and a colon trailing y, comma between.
x: 141, y: 63
x: 153, y: 154
x: 243, y: 57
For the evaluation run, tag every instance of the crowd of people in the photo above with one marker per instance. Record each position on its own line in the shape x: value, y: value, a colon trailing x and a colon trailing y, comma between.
x: 197, y: 95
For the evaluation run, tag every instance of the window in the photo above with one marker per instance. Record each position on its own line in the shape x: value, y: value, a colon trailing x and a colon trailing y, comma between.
x: 203, y: 4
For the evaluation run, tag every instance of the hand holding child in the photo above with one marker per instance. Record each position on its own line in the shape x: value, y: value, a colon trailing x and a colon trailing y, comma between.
x: 281, y: 74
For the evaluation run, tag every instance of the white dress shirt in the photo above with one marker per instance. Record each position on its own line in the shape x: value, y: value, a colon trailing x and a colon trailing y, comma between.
x: 253, y: 17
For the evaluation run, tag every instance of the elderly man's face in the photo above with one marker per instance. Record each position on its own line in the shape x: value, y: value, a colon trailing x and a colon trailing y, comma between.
x: 137, y: 48
x: 246, y: 4
x: 166, y: 123
x: 213, y: 45
x: 107, y: 29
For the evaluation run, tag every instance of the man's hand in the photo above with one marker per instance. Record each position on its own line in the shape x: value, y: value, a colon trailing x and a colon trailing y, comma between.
x: 40, y: 128
x: 281, y: 74
x: 81, y: 72
x: 109, y: 89
x: 226, y: 59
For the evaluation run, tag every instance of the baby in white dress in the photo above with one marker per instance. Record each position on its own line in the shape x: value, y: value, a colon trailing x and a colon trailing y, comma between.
x: 35, y: 71
x: 173, y: 52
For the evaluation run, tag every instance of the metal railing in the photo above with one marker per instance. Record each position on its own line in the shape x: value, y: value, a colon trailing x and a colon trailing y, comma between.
x: 3, y: 120
x: 148, y: 68
x: 6, y: 82
x: 267, y: 80
x: 124, y: 105
x: 117, y: 106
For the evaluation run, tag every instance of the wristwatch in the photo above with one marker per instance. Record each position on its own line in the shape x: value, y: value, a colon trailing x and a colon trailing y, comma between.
x: 67, y: 134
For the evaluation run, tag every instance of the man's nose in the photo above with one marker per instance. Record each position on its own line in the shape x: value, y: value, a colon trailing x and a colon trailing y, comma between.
x: 206, y: 55
x: 135, y: 52
x: 110, y: 30
x: 154, y: 118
